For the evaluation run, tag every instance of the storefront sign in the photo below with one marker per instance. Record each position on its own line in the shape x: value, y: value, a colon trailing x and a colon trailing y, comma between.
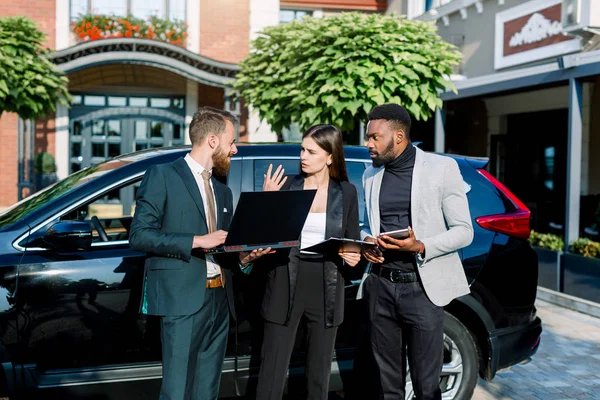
x: 529, y: 32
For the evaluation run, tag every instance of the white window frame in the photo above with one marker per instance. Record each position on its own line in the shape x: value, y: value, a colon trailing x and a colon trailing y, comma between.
x: 128, y: 7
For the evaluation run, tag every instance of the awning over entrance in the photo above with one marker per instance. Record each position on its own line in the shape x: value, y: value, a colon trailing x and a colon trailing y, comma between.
x: 574, y: 66
x: 145, y: 52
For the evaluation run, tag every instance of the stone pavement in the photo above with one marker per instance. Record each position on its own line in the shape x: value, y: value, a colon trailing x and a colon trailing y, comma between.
x: 566, y: 366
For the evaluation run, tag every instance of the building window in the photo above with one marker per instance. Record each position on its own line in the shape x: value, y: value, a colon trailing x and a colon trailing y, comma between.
x: 147, y: 8
x: 176, y: 10
x: 291, y: 15
x: 419, y: 7
x: 168, y: 9
x: 96, y: 101
x: 110, y: 7
x: 117, y: 101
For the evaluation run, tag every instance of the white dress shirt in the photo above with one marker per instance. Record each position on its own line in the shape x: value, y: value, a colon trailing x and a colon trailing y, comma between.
x: 212, y: 268
x: 313, y: 231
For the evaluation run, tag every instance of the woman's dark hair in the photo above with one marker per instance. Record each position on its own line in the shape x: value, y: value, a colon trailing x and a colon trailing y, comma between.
x: 329, y: 138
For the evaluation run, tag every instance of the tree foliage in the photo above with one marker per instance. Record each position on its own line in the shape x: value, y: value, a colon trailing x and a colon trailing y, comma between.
x: 30, y: 85
x: 335, y: 69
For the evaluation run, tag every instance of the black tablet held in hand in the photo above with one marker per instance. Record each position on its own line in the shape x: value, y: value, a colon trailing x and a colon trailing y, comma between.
x: 398, y: 234
x: 339, y: 245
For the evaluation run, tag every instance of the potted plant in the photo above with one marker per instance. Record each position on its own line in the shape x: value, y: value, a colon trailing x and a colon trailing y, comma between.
x: 45, y: 170
x: 549, y: 248
x: 582, y: 269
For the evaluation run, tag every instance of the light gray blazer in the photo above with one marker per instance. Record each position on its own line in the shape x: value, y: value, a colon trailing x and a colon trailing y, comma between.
x: 440, y: 219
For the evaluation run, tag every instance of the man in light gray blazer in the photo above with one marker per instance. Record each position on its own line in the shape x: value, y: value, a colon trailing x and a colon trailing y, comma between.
x: 412, y: 278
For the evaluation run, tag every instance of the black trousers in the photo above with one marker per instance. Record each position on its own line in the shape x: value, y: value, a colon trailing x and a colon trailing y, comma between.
x: 404, y: 323
x: 193, y: 350
x: 278, y: 342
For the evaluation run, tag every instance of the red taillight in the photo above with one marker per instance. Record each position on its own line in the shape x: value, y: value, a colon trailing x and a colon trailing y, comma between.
x: 515, y: 223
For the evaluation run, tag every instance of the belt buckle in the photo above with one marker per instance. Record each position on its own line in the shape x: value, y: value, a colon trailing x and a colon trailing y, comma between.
x: 214, y: 282
x: 395, y: 277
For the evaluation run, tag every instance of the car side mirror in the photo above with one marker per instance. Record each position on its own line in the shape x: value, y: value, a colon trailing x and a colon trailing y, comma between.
x: 68, y: 236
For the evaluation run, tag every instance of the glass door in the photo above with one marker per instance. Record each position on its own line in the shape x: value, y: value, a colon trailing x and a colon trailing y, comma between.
x: 97, y: 140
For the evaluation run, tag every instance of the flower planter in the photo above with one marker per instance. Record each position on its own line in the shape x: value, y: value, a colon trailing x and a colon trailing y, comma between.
x: 548, y: 268
x: 581, y: 276
x: 96, y: 27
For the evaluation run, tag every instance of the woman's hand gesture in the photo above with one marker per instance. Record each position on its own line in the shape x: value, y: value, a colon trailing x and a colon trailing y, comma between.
x: 275, y: 182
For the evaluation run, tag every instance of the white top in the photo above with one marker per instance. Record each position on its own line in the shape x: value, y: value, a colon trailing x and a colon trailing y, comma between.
x: 212, y: 268
x: 313, y: 231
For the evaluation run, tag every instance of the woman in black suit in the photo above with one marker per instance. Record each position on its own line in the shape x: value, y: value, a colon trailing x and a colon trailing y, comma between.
x: 307, y: 285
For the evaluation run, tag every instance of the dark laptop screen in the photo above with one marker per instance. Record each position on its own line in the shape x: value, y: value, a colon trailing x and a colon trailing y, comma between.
x: 269, y: 217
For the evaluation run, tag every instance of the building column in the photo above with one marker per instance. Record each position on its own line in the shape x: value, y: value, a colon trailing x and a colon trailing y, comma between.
x: 191, y: 106
x: 233, y: 106
x: 61, y: 138
x: 574, y: 149
x: 63, y: 25
x: 439, y: 140
x: 263, y: 13
x: 193, y: 20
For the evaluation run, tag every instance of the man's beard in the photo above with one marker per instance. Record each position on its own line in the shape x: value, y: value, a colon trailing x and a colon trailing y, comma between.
x: 386, y: 156
x: 221, y: 162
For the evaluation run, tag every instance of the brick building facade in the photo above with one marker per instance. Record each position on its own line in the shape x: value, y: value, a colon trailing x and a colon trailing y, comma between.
x: 132, y: 94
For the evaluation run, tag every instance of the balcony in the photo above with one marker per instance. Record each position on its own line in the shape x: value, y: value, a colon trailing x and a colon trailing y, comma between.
x: 162, y: 20
x: 96, y: 27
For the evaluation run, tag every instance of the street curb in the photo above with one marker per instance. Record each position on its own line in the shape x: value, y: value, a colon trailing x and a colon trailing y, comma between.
x: 568, y: 301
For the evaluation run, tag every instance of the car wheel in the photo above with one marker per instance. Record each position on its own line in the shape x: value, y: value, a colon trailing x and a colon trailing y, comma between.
x: 461, y: 363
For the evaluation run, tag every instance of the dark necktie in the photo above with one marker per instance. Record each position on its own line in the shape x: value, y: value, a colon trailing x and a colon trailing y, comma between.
x: 211, y: 218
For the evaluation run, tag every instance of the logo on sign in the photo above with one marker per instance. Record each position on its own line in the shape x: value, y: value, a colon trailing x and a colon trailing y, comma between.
x: 538, y: 28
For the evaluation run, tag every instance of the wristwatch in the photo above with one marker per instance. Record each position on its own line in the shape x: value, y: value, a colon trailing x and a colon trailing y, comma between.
x: 420, y: 254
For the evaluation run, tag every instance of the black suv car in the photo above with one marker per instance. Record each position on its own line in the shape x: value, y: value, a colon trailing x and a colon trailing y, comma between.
x: 71, y: 287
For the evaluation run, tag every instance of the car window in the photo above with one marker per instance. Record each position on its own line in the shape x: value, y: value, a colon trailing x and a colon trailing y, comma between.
x: 32, y: 203
x: 291, y: 166
x: 355, y: 173
x: 114, y: 210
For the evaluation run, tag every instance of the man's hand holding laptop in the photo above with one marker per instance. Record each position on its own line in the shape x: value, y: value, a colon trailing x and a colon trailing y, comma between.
x: 210, y: 240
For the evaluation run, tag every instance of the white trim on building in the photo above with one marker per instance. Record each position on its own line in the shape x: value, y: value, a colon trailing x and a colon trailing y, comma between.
x: 63, y: 25
x: 263, y: 13
x: 61, y: 119
x: 191, y: 106
x: 192, y: 14
x: 61, y: 138
x: 537, y: 28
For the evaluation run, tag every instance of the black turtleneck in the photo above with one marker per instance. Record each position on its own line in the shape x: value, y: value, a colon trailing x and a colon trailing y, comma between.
x: 394, y: 204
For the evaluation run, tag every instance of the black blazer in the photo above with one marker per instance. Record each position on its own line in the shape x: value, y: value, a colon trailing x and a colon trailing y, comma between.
x: 341, y: 221
x: 169, y: 213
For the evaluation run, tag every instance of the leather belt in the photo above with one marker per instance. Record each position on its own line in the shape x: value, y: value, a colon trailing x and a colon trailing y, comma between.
x: 215, y: 282
x: 394, y: 275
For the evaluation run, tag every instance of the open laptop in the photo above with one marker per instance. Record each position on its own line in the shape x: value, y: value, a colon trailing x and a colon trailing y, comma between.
x: 267, y: 219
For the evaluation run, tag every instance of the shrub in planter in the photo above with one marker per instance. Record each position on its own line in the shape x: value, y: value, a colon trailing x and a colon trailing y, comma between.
x: 585, y: 247
x: 44, y: 166
x: 548, y: 241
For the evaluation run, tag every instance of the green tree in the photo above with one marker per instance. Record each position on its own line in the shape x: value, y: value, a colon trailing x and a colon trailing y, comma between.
x: 335, y: 69
x: 30, y: 85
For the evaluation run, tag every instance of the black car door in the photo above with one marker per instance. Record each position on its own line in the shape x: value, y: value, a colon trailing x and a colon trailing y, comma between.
x: 79, y: 310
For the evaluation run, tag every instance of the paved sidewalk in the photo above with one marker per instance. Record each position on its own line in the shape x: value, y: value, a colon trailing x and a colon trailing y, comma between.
x: 566, y: 366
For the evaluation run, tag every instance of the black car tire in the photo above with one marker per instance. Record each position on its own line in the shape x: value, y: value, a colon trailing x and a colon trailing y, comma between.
x: 463, y: 340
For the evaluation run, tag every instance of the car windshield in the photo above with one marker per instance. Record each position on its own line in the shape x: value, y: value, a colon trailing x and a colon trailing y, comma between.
x: 34, y: 202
